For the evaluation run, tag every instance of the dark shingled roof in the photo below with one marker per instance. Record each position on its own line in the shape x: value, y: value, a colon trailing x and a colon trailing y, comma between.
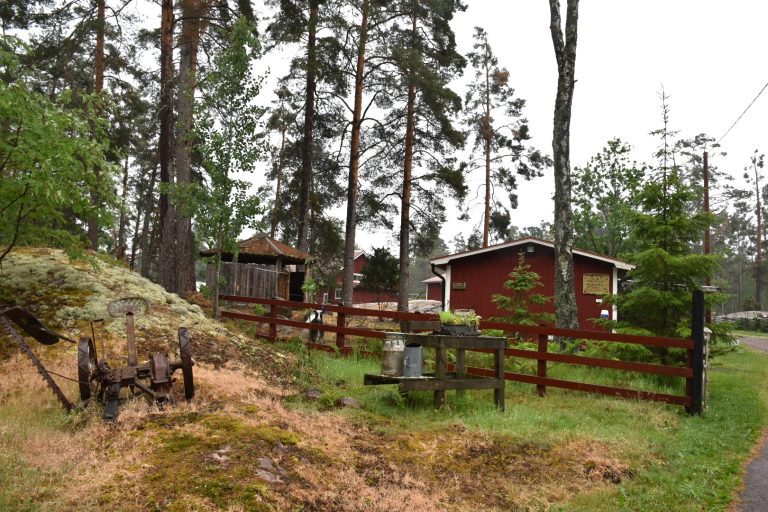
x: 262, y: 249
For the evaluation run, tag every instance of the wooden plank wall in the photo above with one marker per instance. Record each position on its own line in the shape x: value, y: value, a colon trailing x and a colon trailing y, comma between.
x: 249, y: 280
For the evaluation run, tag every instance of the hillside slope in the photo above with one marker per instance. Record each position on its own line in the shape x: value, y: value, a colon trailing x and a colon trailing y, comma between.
x: 235, y: 447
x: 248, y: 441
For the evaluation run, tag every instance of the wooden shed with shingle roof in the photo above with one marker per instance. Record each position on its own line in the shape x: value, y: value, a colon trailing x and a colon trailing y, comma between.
x: 264, y: 267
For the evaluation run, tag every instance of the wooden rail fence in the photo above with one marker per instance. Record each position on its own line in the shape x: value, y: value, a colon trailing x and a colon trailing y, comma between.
x: 693, y: 372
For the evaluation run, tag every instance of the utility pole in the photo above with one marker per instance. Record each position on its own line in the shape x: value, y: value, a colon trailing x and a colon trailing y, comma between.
x: 707, y: 236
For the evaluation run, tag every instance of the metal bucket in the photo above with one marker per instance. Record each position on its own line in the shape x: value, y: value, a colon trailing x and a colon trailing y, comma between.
x: 392, y: 355
x: 413, y: 362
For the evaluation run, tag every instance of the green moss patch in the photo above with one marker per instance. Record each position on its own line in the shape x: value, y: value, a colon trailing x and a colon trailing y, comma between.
x: 212, y: 459
x: 174, y: 419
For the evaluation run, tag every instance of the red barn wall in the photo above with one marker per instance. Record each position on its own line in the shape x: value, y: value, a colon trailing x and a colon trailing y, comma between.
x: 485, y: 273
x: 360, y: 263
x: 365, y: 296
x: 435, y: 291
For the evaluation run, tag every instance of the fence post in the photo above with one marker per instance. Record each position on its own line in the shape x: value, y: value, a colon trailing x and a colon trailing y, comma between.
x: 272, y: 322
x: 341, y: 322
x: 696, y: 382
x: 541, y: 370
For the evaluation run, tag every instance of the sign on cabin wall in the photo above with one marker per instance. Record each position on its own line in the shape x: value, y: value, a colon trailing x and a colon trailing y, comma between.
x: 459, y: 285
x: 596, y: 284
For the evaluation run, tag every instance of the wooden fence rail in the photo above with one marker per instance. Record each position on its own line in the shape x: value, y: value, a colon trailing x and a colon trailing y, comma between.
x: 693, y: 372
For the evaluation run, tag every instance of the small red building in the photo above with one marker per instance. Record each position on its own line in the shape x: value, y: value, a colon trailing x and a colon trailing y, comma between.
x: 434, y: 290
x: 471, y: 278
x: 359, y: 295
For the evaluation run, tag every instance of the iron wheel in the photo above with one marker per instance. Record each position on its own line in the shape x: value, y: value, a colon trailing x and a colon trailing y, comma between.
x: 86, y: 365
x: 185, y: 353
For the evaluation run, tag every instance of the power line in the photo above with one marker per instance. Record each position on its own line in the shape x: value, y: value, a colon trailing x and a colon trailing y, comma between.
x: 742, y: 114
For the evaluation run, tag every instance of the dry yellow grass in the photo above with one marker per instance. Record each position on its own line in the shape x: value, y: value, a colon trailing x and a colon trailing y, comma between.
x: 210, y: 454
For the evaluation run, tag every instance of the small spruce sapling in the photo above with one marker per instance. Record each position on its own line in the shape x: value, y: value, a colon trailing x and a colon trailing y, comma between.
x: 521, y: 284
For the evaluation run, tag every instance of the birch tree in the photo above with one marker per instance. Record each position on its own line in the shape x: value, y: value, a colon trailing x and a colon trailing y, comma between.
x: 564, y: 43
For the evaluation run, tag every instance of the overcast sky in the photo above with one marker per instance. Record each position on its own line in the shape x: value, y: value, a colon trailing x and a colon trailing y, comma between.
x: 707, y: 54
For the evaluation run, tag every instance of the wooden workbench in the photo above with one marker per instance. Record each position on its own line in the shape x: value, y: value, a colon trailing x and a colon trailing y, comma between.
x: 442, y: 380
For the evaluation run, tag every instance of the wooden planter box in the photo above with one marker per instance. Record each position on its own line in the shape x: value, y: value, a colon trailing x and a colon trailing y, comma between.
x: 459, y: 330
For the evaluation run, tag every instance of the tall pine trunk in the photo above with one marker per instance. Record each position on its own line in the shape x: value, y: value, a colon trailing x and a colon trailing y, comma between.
x: 135, y: 240
x: 487, y: 136
x: 278, y: 179
x: 98, y: 86
x: 145, y: 241
x: 123, y: 221
x: 309, y: 120
x: 191, y: 11
x: 405, y: 209
x: 167, y: 218
x: 566, y: 311
x: 354, y: 164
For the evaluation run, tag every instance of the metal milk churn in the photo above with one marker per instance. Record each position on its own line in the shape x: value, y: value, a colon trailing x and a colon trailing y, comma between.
x: 414, y: 360
x: 392, y: 355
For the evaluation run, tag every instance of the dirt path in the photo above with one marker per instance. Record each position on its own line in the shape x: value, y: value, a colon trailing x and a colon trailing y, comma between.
x: 754, y: 497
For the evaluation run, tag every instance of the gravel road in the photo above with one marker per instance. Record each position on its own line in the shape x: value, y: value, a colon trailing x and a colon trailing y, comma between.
x: 754, y: 497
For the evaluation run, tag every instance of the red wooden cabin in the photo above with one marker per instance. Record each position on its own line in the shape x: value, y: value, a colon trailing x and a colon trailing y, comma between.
x: 473, y: 277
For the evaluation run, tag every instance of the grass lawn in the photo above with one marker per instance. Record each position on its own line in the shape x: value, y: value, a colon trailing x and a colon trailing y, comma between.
x: 663, y: 459
x: 568, y: 451
x: 751, y: 334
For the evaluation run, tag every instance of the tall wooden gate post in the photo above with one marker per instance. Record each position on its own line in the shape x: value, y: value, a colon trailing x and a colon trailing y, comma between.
x: 341, y: 322
x: 696, y: 382
x: 273, y: 322
x: 541, y: 367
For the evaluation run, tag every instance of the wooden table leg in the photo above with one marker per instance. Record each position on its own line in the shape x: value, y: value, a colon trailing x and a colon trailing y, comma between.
x: 461, y: 368
x: 440, y: 367
x: 499, y: 366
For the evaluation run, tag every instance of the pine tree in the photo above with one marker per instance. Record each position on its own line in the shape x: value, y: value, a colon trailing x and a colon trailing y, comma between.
x: 495, y: 118
x: 350, y: 226
x: 300, y: 21
x: 414, y: 164
x: 312, y: 88
x: 748, y: 203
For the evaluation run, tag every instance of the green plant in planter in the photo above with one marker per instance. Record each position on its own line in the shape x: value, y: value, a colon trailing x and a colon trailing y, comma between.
x: 460, y: 317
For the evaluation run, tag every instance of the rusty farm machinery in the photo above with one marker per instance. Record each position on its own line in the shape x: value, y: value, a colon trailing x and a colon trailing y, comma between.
x: 95, y: 377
